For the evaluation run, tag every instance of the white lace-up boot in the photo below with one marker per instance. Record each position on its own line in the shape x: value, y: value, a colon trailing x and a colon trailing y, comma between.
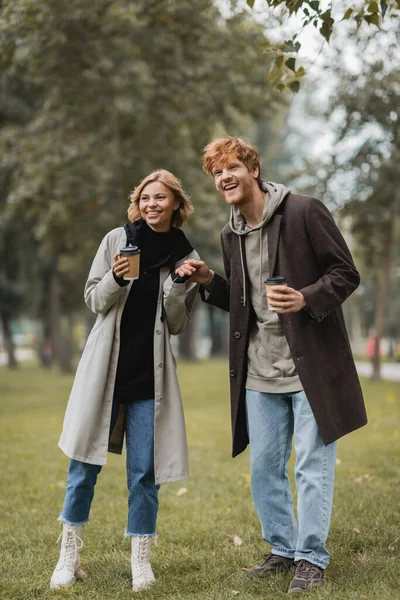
x: 68, y: 568
x: 142, y: 573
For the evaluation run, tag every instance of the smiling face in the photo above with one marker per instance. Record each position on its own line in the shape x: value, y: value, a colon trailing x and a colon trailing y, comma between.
x: 235, y: 182
x: 156, y: 205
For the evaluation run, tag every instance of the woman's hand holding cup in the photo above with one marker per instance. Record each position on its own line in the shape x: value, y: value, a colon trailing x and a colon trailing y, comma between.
x: 121, y: 265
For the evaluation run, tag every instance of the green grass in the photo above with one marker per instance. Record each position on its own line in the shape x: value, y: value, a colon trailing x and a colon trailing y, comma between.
x: 194, y: 559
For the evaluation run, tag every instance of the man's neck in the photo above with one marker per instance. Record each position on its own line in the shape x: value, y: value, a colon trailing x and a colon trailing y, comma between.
x: 253, y: 209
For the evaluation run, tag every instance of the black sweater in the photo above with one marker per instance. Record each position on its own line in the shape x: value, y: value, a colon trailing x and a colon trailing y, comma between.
x: 135, y: 370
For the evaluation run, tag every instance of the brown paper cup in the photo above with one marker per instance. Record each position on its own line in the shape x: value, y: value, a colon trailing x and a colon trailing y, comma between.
x: 274, y: 282
x: 132, y: 253
x: 134, y: 267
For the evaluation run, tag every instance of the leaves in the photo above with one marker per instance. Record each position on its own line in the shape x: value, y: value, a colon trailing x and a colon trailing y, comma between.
x: 294, y: 86
x: 291, y: 64
x: 237, y: 541
x: 372, y: 19
x: 347, y: 14
x: 327, y: 25
x: 291, y: 46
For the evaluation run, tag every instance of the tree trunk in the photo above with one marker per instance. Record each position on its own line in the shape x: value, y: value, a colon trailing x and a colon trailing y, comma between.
x: 381, y: 300
x: 188, y: 339
x: 218, y: 331
x: 66, y: 347
x: 54, y: 313
x: 8, y: 342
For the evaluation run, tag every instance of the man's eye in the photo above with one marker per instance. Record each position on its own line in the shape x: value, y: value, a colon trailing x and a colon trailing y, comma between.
x: 217, y: 173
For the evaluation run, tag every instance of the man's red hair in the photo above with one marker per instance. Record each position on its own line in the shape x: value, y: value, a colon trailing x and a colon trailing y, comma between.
x: 218, y: 152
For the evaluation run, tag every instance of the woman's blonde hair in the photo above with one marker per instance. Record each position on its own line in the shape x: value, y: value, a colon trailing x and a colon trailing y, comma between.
x: 180, y: 215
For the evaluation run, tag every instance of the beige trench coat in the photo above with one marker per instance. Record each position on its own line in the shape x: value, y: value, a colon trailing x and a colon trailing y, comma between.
x: 85, y: 435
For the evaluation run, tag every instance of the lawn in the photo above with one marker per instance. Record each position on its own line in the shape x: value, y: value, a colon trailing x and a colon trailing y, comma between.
x: 196, y: 557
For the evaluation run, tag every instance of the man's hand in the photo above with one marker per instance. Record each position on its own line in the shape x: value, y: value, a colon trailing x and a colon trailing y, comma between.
x: 197, y: 269
x: 284, y: 299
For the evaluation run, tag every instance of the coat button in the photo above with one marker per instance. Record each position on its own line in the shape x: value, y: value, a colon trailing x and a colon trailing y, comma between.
x: 160, y: 365
x: 232, y: 372
x: 237, y: 335
x: 241, y: 299
x: 159, y: 398
x: 158, y: 331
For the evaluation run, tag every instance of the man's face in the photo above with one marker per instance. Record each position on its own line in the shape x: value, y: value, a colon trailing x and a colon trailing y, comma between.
x: 234, y: 181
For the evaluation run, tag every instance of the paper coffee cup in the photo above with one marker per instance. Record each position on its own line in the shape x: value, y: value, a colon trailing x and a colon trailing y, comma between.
x: 274, y: 281
x: 133, y: 255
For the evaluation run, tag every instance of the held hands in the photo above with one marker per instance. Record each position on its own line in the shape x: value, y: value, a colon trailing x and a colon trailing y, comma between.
x: 121, y: 265
x: 284, y: 299
x: 197, y: 269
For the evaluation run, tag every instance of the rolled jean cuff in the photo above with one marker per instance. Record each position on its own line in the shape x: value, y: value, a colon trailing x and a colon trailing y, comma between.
x: 278, y: 551
x: 61, y: 519
x: 128, y: 534
x: 314, y: 560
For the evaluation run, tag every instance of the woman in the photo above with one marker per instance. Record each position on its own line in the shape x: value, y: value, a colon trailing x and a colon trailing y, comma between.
x: 126, y: 380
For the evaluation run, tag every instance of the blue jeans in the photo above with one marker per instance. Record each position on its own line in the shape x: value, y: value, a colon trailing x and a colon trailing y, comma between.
x: 272, y: 421
x: 142, y: 490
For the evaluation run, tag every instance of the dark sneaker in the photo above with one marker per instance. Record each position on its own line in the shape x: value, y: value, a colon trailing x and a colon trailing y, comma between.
x: 307, y: 576
x: 272, y: 564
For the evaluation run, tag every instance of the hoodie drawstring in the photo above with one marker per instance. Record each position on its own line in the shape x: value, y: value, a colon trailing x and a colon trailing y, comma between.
x: 261, y: 260
x: 243, y: 271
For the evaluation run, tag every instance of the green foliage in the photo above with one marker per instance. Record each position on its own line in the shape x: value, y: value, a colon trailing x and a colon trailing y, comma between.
x: 370, y: 103
x: 107, y: 93
x: 314, y: 13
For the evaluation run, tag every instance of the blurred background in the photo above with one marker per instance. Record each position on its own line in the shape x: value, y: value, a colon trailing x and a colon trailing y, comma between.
x: 94, y: 96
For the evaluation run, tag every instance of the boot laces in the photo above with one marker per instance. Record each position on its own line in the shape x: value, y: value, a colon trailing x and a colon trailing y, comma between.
x: 142, y: 568
x: 143, y: 549
x: 69, y: 549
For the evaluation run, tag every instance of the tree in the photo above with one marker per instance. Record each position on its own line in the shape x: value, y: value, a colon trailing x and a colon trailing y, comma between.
x: 364, y: 169
x: 118, y: 89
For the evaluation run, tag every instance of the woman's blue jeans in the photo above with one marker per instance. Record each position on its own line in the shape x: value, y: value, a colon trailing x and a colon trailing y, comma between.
x: 273, y: 420
x: 142, y: 490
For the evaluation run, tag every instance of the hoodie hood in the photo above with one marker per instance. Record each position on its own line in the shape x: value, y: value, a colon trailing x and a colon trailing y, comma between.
x: 275, y: 194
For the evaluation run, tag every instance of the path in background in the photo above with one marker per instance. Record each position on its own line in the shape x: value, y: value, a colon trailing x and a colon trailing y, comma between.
x: 20, y: 353
x: 389, y: 371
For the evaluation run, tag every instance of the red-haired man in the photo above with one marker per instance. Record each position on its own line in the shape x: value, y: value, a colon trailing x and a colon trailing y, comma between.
x: 291, y: 367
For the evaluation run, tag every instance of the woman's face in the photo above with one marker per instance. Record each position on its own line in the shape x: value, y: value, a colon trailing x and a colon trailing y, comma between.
x: 156, y: 205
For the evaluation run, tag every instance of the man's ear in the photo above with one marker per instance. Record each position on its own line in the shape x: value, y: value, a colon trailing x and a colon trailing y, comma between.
x: 256, y: 172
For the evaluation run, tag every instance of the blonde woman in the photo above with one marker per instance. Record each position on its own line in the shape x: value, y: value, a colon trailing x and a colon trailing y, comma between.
x: 126, y: 382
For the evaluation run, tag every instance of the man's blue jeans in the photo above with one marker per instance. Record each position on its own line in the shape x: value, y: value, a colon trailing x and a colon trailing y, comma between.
x: 273, y: 420
x: 142, y: 490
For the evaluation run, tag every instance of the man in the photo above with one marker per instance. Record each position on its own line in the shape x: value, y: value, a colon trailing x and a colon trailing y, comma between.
x: 291, y: 369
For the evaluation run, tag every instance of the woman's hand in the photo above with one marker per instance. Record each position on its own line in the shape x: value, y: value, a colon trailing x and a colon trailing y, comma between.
x: 197, y: 269
x: 121, y: 265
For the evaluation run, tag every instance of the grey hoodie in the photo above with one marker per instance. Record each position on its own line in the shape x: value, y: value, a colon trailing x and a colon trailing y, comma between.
x: 270, y: 365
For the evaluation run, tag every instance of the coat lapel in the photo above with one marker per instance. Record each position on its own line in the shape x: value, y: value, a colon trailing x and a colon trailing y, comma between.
x: 273, y: 229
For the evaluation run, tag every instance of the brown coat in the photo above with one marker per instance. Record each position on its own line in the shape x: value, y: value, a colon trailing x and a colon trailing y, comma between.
x: 305, y: 246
